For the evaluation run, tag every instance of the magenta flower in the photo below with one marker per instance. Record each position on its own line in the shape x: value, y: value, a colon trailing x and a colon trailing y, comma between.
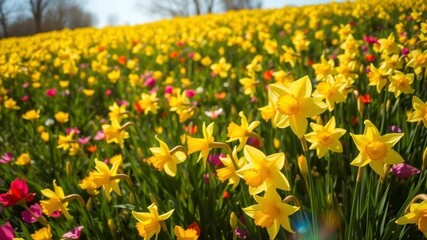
x: 18, y: 192
x: 405, y: 51
x: 370, y: 39
x: 168, y: 89
x: 84, y: 140
x: 99, y: 135
x: 403, y: 170
x: 36, y: 209
x: 150, y: 82
x: 51, y: 92
x: 108, y: 92
x: 190, y: 93
x: 25, y: 98
x: 6, y: 158
x: 122, y: 102
x: 214, y: 159
x: 75, y: 130
x: 6, y: 232
x: 73, y: 233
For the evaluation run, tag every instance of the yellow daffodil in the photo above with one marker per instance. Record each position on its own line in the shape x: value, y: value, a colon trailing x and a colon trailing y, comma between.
x: 149, y: 103
x: 188, y: 234
x: 42, y: 234
x: 401, y: 83
x: 221, y: 68
x: 117, y: 112
x: 388, y: 46
x: 375, y: 150
x: 113, y: 76
x: 294, y: 105
x: 115, y: 133
x: 418, y: 60
x: 378, y: 77
x: 417, y: 215
x: 290, y: 56
x: 242, y: 132
x: 102, y: 176
x: 89, y: 184
x: 262, y: 172
x: 202, y: 144
x: 11, y: 104
x: 268, y: 112
x: 54, y: 201
x: 228, y: 172
x: 324, y: 68
x: 249, y: 85
x: 149, y: 222
x: 271, y: 213
x: 330, y: 90
x: 23, y: 159
x: 420, y: 113
x: 66, y: 142
x: 324, y: 138
x: 31, y: 115
x: 61, y: 117
x: 164, y: 159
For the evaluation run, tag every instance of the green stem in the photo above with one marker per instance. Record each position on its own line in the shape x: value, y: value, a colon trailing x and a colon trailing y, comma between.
x: 353, y: 203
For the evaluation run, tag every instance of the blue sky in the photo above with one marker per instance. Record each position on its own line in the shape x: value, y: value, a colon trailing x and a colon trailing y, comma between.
x: 125, y: 12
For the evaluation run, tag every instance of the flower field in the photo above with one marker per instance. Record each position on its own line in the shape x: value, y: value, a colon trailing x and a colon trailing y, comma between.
x: 295, y: 123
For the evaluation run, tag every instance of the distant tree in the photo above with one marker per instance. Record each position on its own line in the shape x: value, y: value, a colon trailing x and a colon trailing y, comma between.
x: 66, y: 14
x: 4, y: 14
x: 38, y: 7
x: 173, y: 8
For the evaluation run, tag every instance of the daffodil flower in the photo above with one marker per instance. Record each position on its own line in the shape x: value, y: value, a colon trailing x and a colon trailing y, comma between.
x: 165, y: 159
x: 375, y: 150
x: 149, y: 222
x: 420, y: 113
x: 115, y: 132
x: 102, y: 176
x: 417, y: 214
x: 262, y: 172
x: 325, y: 138
x: 202, y: 144
x: 228, y: 172
x: 55, y: 201
x: 242, y: 132
x: 271, y: 213
x: 294, y: 105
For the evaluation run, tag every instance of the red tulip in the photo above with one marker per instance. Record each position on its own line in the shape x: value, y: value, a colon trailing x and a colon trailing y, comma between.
x: 18, y: 192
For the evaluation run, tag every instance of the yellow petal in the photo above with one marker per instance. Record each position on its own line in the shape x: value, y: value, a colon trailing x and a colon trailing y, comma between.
x: 371, y: 131
x: 393, y: 157
x: 361, y: 160
x: 391, y: 139
x: 253, y: 155
x: 281, y: 120
x: 298, y: 124
x: 301, y: 88
x: 378, y: 167
x: 273, y: 229
x: 166, y: 215
x: 408, y: 218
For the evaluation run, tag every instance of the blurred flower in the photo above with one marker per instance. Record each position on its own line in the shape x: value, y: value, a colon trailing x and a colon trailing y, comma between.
x: 17, y: 194
x: 117, y: 112
x: 55, y: 201
x: 214, y: 159
x: 394, y: 129
x: 36, y: 212
x: 221, y: 68
x: 100, y: 135
x: 84, y: 140
x: 6, y: 158
x: 11, y: 104
x: 403, y: 170
x: 74, y: 130
x: 6, y: 232
x: 271, y: 213
x: 188, y: 234
x: 61, y: 117
x: 417, y: 215
x: 240, y: 233
x: 42, y: 234
x: 31, y: 115
x: 401, y: 83
x: 115, y: 133
x: 214, y: 113
x: 190, y: 93
x: 49, y: 122
x: 366, y: 98
x: 149, y: 223
x: 23, y: 159
x: 263, y: 172
x: 73, y: 233
x: 51, y: 92
x: 375, y: 150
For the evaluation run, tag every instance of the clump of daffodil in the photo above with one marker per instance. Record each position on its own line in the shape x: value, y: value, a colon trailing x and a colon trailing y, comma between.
x: 325, y: 138
x: 149, y: 103
x: 106, y: 178
x: 416, y: 214
x: 221, y: 68
x: 68, y: 143
x: 57, y: 201
x: 263, y: 172
x: 420, y: 113
x: 294, y: 105
x: 242, y: 132
x: 116, y: 133
x: 375, y: 149
x: 401, y: 83
x: 330, y: 90
x: 271, y: 212
x: 149, y: 223
x: 231, y: 165
x: 117, y: 112
x: 165, y: 159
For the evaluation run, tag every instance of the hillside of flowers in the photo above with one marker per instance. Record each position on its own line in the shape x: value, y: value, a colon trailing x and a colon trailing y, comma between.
x: 295, y: 123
